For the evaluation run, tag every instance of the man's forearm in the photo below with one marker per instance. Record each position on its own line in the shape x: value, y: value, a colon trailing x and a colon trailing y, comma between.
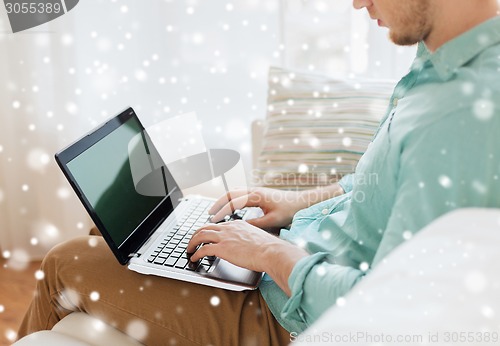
x: 280, y: 259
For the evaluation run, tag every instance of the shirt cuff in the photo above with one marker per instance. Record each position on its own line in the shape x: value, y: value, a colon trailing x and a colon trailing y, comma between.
x: 296, y: 282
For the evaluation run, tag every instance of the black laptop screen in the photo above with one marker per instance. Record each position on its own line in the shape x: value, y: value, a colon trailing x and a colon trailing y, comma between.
x: 105, y: 174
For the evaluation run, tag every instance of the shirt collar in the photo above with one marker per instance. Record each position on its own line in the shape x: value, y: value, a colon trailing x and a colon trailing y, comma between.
x: 460, y: 50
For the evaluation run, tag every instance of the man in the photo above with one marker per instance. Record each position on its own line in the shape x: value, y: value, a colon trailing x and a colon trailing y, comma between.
x: 436, y: 150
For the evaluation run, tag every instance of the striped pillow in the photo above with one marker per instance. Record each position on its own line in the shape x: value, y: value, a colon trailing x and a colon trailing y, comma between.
x: 317, y: 127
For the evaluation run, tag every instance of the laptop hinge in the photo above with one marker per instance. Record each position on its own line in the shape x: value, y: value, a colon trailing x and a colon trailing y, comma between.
x: 134, y: 254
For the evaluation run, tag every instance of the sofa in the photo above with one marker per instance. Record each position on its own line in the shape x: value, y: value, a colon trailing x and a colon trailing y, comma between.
x: 441, y: 287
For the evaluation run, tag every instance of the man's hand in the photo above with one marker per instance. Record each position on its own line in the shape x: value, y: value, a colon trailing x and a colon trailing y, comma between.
x: 249, y: 247
x: 278, y: 206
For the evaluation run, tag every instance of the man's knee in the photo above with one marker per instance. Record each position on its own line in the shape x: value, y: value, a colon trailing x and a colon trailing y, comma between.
x: 69, y: 250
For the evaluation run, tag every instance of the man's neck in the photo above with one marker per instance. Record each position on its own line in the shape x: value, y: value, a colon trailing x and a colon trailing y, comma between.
x: 453, y: 18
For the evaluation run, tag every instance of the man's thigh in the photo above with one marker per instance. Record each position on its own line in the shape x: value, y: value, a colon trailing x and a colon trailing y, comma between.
x: 154, y: 309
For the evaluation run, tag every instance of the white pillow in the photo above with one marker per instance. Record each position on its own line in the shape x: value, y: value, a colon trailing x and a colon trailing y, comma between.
x: 440, y: 288
x: 317, y: 127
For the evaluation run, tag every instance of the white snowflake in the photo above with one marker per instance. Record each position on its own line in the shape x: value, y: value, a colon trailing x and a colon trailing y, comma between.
x: 67, y: 40
x: 10, y: 335
x: 215, y: 301
x: 39, y: 275
x: 445, y: 181
x: 475, y: 281
x: 137, y: 329
x: 363, y: 266
x: 321, y: 270
x: 484, y: 109
x: 98, y: 325
x: 141, y: 75
x: 38, y: 159
x: 347, y: 141
x: 326, y: 234
x: 94, y: 296
x: 198, y: 38
x: 314, y: 142
x: 479, y: 187
x: 488, y: 311
x: 69, y: 299
x: 72, y: 108
x: 407, y: 235
x: 63, y: 193
x: 46, y: 233
x: 468, y: 88
x: 303, y: 168
x: 93, y: 241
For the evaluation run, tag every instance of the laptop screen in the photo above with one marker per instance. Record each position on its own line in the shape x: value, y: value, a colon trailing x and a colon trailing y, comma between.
x: 123, y: 179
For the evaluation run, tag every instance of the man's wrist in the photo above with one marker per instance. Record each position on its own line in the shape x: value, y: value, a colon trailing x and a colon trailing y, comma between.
x: 279, y: 259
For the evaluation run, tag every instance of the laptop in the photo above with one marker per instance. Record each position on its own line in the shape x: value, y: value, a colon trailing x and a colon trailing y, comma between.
x: 139, y: 208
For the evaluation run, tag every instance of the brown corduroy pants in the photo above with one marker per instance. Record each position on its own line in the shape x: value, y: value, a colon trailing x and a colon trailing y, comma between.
x: 83, y: 275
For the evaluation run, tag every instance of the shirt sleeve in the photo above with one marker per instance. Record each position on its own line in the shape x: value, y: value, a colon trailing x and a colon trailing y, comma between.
x: 347, y: 182
x: 443, y: 166
x: 316, y: 285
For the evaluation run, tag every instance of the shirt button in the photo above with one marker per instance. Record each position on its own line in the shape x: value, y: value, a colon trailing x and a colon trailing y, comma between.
x: 324, y: 212
x: 395, y: 101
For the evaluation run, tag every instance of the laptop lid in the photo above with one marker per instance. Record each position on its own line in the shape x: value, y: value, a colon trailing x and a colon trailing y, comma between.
x: 122, y: 182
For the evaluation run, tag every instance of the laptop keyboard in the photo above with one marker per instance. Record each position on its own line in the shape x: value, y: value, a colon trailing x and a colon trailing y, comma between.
x: 171, y: 252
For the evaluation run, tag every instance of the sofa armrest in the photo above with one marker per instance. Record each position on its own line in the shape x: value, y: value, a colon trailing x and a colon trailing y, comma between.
x: 444, y: 280
x: 79, y: 329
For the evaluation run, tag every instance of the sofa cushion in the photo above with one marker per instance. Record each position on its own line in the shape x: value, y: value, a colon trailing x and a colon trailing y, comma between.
x: 317, y: 127
x: 49, y: 338
x: 78, y: 329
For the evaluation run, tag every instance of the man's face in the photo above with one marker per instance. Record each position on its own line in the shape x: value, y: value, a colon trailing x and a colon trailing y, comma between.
x: 409, y: 21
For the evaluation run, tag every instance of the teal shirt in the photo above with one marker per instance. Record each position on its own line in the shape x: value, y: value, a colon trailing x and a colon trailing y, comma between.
x: 437, y: 149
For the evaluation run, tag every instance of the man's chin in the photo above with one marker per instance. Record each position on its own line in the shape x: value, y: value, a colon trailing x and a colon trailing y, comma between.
x: 403, y: 40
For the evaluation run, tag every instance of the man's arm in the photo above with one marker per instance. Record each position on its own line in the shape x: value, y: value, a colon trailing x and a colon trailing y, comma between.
x: 249, y: 247
x: 279, y: 206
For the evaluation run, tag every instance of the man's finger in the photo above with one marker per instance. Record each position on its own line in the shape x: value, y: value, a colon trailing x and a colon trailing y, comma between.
x: 260, y: 222
x: 223, y: 200
x: 203, y: 236
x: 251, y: 200
x: 203, y: 251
